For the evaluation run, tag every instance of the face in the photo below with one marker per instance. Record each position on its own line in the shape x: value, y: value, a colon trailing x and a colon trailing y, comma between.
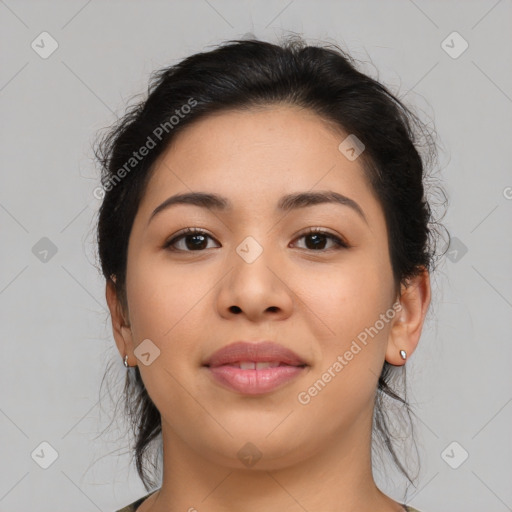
x: 254, y: 273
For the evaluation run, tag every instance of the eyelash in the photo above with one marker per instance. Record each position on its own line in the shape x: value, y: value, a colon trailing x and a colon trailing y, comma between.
x: 339, y: 243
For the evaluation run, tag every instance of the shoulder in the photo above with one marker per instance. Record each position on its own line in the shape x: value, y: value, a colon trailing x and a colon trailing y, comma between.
x: 132, y: 507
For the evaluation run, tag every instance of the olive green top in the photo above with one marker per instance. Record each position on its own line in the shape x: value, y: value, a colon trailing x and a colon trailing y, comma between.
x: 132, y: 507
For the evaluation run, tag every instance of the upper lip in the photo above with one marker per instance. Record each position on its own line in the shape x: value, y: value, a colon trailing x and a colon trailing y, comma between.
x: 264, y: 351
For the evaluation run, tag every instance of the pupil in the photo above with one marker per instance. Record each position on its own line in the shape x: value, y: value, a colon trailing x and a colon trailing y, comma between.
x: 316, y: 245
x: 195, y: 245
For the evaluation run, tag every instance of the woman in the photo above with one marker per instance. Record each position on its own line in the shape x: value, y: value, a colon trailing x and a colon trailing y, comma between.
x: 267, y: 246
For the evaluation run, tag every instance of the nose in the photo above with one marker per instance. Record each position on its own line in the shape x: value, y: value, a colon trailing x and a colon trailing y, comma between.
x: 256, y: 288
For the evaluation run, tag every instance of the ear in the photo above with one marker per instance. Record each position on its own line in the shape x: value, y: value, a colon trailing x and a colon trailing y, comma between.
x: 407, y: 325
x: 120, y: 325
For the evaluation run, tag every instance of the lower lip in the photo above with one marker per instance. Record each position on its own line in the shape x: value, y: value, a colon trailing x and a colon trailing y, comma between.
x: 255, y: 382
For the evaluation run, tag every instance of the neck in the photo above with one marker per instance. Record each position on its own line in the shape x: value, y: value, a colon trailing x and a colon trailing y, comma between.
x: 337, y: 478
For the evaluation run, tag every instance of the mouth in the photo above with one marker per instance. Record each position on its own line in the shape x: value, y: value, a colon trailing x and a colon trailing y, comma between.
x: 254, y: 368
x: 258, y: 365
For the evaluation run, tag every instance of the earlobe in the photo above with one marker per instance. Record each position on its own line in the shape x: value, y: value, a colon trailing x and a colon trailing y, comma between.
x: 407, y: 326
x: 120, y: 326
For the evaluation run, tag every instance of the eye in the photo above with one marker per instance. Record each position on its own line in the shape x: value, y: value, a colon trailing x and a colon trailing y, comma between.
x: 317, y: 238
x: 197, y: 240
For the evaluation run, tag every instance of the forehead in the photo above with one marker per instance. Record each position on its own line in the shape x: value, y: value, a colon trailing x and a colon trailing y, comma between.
x: 277, y: 133
x: 255, y: 156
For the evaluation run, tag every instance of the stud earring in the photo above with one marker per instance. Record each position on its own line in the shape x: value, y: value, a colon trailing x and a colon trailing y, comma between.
x: 126, y: 361
x: 403, y: 354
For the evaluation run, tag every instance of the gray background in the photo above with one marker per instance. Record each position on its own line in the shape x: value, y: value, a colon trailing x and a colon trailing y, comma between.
x: 56, y: 337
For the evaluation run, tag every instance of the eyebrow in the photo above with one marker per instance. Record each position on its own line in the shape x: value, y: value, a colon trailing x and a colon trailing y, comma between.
x: 286, y: 203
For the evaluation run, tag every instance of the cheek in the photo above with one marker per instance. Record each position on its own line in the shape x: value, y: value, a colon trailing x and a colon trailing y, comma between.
x: 164, y: 305
x: 349, y: 298
x: 157, y: 289
x: 157, y: 299
x: 350, y: 303
x: 168, y: 305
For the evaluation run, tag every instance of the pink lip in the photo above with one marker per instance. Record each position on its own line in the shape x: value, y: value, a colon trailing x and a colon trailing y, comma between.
x: 222, y: 366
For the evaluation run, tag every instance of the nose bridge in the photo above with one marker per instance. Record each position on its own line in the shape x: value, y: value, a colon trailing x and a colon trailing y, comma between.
x: 251, y: 248
x: 255, y: 236
x: 253, y: 259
